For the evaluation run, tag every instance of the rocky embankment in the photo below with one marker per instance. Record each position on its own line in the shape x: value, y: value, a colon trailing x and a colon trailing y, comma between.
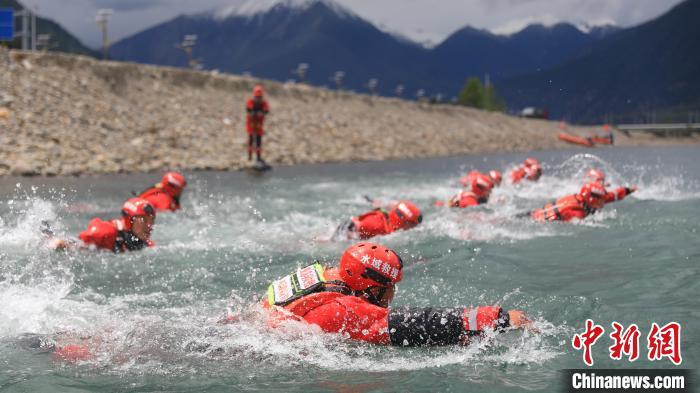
x: 65, y: 115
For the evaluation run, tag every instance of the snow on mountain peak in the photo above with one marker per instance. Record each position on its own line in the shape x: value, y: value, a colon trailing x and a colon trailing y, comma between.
x: 250, y: 8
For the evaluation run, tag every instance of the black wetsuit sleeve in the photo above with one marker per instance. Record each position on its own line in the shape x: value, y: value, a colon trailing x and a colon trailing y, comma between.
x: 426, y: 326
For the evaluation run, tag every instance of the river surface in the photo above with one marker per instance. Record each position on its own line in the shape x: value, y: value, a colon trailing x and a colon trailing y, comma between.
x: 152, y: 314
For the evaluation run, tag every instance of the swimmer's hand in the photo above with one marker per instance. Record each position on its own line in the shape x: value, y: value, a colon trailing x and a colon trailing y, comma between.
x: 59, y: 244
x: 519, y: 320
x: 229, y: 317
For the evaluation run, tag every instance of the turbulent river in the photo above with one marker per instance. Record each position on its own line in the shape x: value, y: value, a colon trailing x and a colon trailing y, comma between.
x: 152, y: 314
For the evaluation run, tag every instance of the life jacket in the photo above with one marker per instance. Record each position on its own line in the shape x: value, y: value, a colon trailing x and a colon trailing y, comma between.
x: 517, y: 175
x: 306, y: 289
x: 256, y: 111
x: 160, y: 198
x: 564, y: 209
x: 112, y: 235
x: 467, y: 179
x: 373, y: 223
x: 256, y: 107
x: 466, y: 199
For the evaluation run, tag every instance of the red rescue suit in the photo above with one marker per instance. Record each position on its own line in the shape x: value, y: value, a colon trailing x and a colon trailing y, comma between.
x: 374, y: 223
x: 467, y: 179
x: 111, y: 235
x: 524, y: 172
x: 160, y: 199
x: 618, y: 194
x: 564, y: 209
x: 256, y: 111
x: 338, y: 311
x: 466, y: 199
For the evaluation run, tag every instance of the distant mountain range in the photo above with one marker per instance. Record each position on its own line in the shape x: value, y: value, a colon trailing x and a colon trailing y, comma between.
x: 578, y: 74
x: 269, y: 38
x: 651, y: 67
x: 61, y: 40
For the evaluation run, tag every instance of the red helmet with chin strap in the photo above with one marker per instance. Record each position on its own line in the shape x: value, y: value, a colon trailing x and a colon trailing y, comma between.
x: 366, y: 265
x: 596, y: 175
x: 173, y: 183
x: 404, y: 215
x: 482, y: 185
x: 136, y: 207
x: 531, y: 161
x: 496, y: 177
x: 593, y: 194
x: 258, y: 91
x: 534, y: 172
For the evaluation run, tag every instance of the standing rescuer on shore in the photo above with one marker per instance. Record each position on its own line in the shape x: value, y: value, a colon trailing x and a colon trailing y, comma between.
x: 256, y: 108
x: 353, y: 299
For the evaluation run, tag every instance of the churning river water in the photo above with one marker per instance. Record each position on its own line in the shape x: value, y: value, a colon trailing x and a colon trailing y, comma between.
x: 152, y: 315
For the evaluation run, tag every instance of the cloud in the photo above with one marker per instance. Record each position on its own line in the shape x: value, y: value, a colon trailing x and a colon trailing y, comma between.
x: 516, y: 25
x: 127, y: 5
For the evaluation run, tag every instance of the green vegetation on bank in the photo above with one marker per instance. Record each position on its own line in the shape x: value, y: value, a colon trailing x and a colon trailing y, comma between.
x: 474, y: 94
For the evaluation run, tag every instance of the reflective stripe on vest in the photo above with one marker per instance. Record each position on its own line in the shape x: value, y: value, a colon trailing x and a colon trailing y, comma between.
x: 473, y: 326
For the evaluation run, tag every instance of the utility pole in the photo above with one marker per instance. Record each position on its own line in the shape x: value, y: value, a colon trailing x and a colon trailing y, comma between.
x: 36, y: 8
x: 43, y: 42
x: 102, y: 19
x: 372, y: 86
x: 187, y: 46
x: 25, y: 29
x: 338, y: 79
x: 399, y: 91
x: 301, y: 71
x: 28, y: 31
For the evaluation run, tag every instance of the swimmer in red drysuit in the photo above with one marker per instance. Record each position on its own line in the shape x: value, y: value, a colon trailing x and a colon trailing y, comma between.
x: 353, y: 299
x: 401, y: 216
x: 129, y: 233
x: 165, y: 196
x: 530, y: 170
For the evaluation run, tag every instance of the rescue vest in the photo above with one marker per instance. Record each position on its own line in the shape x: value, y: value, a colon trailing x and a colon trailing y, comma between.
x: 462, y: 199
x: 561, y: 209
x: 301, y: 283
x: 159, y: 190
x: 367, y: 228
x: 126, y: 240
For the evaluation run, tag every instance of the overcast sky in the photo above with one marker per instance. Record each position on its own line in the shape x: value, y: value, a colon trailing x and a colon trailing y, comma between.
x: 421, y: 20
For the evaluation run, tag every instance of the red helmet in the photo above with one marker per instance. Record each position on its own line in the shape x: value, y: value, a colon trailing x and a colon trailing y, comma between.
x: 596, y: 175
x: 593, y: 195
x: 530, y: 161
x: 534, y: 172
x: 496, y: 177
x: 173, y: 183
x: 368, y: 265
x: 482, y: 185
x: 404, y: 215
x: 258, y: 91
x: 136, y: 207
